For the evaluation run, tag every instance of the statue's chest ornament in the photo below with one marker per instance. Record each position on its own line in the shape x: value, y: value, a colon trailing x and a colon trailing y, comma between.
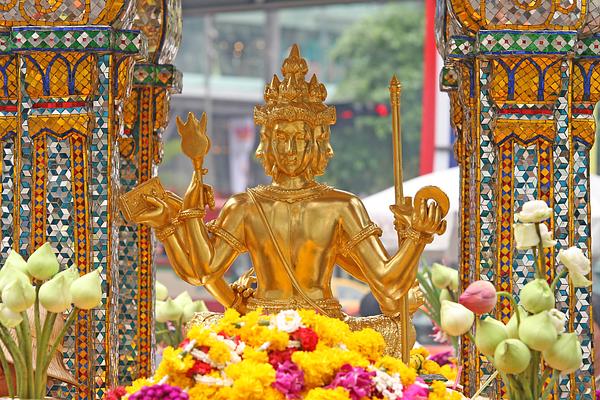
x: 291, y: 195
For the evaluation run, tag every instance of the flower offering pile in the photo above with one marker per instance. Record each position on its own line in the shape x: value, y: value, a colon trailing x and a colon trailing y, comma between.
x: 290, y: 355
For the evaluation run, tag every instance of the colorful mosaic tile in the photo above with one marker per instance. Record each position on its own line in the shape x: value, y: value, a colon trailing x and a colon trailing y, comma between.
x: 525, y: 42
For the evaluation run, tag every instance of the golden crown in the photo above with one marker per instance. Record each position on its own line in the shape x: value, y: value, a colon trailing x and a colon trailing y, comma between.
x: 294, y: 99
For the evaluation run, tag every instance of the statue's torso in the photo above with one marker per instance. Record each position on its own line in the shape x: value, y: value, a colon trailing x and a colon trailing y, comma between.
x: 309, y: 235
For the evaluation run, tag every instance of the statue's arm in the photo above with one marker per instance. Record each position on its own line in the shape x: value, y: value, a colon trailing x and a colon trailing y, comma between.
x: 390, y: 277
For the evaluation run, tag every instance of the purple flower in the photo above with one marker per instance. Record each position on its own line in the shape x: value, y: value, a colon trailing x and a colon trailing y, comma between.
x: 442, y: 358
x: 597, y: 394
x: 418, y: 390
x: 356, y: 380
x: 289, y: 379
x: 159, y: 392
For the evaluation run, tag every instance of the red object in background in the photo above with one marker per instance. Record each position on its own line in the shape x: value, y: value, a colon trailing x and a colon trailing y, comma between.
x: 429, y: 91
x: 219, y: 203
x: 382, y: 110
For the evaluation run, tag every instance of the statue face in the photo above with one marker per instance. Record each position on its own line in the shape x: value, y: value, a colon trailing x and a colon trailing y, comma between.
x: 291, y: 144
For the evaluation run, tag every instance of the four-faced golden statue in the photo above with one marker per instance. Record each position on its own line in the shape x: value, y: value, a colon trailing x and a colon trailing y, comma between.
x: 295, y: 229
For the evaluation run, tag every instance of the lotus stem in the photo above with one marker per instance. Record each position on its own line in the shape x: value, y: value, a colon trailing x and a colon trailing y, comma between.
x: 513, y: 302
x: 69, y: 321
x: 19, y: 362
x: 557, y: 279
x: 26, y: 331
x: 42, y: 343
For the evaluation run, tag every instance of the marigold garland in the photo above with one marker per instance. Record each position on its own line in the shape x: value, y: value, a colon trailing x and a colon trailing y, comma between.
x: 293, y: 355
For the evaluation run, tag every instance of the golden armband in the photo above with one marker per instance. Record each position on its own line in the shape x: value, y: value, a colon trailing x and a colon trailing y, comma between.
x: 416, y: 236
x: 226, y: 236
x: 190, y: 213
x: 364, y: 233
x: 164, y: 232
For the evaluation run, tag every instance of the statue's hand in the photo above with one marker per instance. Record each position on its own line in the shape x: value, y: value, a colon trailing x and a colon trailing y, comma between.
x: 415, y: 298
x: 156, y: 215
x: 243, y: 288
x: 427, y: 218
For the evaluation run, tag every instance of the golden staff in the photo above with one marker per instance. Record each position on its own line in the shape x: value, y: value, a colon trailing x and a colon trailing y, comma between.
x: 402, y: 204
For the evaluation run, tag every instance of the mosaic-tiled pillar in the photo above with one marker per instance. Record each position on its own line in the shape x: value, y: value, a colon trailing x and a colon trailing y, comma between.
x: 140, y: 145
x: 523, y: 84
x: 66, y: 68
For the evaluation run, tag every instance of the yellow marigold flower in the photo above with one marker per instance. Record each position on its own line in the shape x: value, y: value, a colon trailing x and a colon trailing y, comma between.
x: 138, y: 384
x: 203, y: 392
x: 321, y: 365
x: 331, y: 331
x: 439, y: 391
x: 252, y: 381
x: 173, y: 362
x: 328, y: 394
x: 219, y: 352
x: 252, y: 354
x: 199, y: 334
x: 262, y: 373
x: 430, y: 367
x: 449, y: 372
x: 393, y: 365
x: 367, y: 342
x: 419, y: 350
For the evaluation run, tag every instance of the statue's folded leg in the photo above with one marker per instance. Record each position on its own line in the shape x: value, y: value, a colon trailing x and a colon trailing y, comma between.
x: 388, y: 327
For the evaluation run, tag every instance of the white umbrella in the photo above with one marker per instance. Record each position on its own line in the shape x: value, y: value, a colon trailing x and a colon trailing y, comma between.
x: 445, y: 248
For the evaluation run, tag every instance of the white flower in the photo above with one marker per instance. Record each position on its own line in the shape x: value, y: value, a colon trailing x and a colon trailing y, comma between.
x: 14, y: 259
x: 288, y: 321
x: 8, y: 317
x: 534, y: 211
x: 43, y: 264
x: 19, y: 295
x: 444, y: 277
x: 559, y: 319
x: 456, y: 319
x: 161, y: 291
x: 183, y: 299
x: 167, y: 311
x: 525, y: 236
x: 578, y: 264
x: 55, y: 294
x: 87, y: 290
x: 390, y: 386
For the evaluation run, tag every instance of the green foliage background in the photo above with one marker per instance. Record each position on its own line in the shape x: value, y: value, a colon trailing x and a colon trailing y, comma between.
x: 388, y: 42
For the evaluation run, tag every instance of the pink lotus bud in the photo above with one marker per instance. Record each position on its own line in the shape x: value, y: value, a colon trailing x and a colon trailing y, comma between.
x: 480, y: 297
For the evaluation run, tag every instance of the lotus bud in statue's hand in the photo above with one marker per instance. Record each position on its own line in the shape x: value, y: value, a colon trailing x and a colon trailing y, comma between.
x: 42, y: 264
x: 55, y: 295
x: 443, y: 277
x: 456, y: 319
x: 87, y: 290
x: 183, y: 300
x: 8, y: 317
x: 19, y: 295
x: 479, y: 297
x: 168, y: 311
x: 559, y: 319
x: 161, y: 291
x: 15, y: 260
x: 534, y: 211
x: 538, y: 331
x: 512, y: 356
x: 490, y: 332
x: 577, y: 264
x: 565, y: 355
x: 536, y: 296
x: 512, y: 325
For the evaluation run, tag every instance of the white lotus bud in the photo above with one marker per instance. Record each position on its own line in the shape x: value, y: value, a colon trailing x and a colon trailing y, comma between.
x: 183, y: 299
x: 538, y: 331
x: 536, y: 296
x: 577, y: 264
x: 512, y: 356
x: 42, y: 264
x: 19, y: 295
x: 565, y: 355
x: 526, y: 236
x: 87, y: 290
x: 55, y: 295
x: 14, y: 259
x: 534, y: 211
x: 168, y: 311
x: 8, y: 317
x: 161, y: 291
x: 444, y: 277
x: 456, y: 319
x: 490, y: 332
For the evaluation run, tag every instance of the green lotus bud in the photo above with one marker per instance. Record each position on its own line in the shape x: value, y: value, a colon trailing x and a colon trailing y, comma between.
x: 87, y: 290
x: 183, y: 299
x: 455, y: 319
x: 565, y: 354
x: 443, y: 277
x: 191, y: 309
x: 161, y: 291
x: 8, y: 274
x: 55, y: 295
x: 19, y: 295
x: 445, y: 295
x: 70, y: 274
x: 14, y: 259
x: 42, y: 264
x: 8, y: 317
x: 512, y: 325
x: 168, y: 311
x: 490, y: 332
x: 536, y: 296
x: 538, y: 331
x: 512, y: 356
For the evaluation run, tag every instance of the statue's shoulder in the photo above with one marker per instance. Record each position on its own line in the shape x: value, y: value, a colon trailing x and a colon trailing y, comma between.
x: 345, y: 197
x: 238, y: 201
